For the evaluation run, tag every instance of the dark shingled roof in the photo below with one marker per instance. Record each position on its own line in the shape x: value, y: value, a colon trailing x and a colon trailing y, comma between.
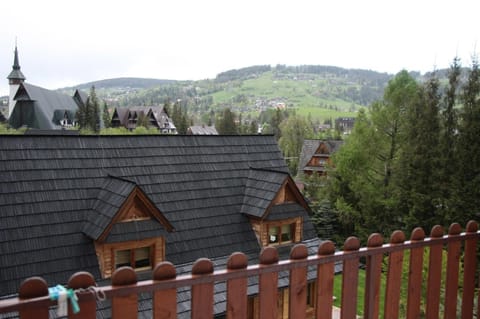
x: 58, y: 192
x: 111, y: 196
x: 38, y: 108
x: 260, y: 189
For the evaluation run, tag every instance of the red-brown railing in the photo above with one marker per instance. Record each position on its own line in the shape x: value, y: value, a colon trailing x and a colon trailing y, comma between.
x: 33, y: 300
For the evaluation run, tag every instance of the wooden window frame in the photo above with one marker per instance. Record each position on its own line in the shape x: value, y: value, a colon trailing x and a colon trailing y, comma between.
x: 132, y: 257
x: 279, y: 226
x: 106, y: 253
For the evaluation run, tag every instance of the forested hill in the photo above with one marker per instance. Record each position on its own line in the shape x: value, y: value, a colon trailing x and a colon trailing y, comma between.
x: 136, y: 83
x: 318, y: 91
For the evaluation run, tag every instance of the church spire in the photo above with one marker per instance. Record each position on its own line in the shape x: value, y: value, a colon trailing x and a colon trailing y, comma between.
x: 16, y: 76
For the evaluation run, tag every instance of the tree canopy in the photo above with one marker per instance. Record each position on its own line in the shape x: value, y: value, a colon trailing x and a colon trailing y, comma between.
x: 413, y: 159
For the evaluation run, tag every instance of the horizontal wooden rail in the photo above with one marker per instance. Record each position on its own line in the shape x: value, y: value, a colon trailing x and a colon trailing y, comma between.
x: 33, y: 300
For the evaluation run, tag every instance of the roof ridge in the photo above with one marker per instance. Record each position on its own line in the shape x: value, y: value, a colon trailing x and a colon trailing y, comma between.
x: 120, y: 178
x: 268, y: 170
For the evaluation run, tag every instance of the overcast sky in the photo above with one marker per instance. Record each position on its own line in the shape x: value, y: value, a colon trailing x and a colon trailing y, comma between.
x: 63, y: 43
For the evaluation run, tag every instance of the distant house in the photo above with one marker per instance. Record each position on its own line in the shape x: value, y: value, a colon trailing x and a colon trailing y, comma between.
x: 97, y: 203
x: 38, y: 108
x: 344, y: 124
x: 202, y: 130
x: 154, y: 116
x: 315, y: 156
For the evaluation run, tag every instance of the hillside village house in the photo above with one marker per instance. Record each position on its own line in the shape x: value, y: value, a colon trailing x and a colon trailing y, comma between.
x: 344, y: 124
x: 97, y: 203
x: 155, y: 116
x: 315, y: 156
x: 38, y: 108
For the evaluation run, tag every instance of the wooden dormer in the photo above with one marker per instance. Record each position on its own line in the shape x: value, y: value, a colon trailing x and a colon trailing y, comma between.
x: 277, y: 217
x: 121, y: 209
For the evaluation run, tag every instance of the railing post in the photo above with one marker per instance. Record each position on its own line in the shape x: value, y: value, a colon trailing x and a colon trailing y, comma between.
x: 124, y: 307
x: 88, y: 308
x: 298, y: 284
x: 434, y: 273
x: 237, y: 288
x: 202, y: 294
x: 31, y: 288
x: 394, y: 277
x: 415, y: 278
x: 372, y: 279
x: 469, y: 269
x: 350, y: 280
x: 268, y: 285
x: 325, y: 275
x: 164, y: 301
x: 453, y: 260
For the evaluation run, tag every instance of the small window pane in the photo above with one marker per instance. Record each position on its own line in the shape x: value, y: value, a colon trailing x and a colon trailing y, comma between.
x: 273, y: 234
x: 286, y: 233
x: 142, y: 257
x: 122, y: 258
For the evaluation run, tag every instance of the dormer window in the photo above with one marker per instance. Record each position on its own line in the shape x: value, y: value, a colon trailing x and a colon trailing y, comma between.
x: 278, y: 232
x: 137, y: 258
x: 141, y: 255
x: 115, y: 228
x: 281, y: 234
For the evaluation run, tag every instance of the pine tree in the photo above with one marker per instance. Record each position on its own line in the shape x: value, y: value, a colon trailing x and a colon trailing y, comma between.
x: 419, y: 160
x: 225, y: 123
x: 93, y: 112
x: 253, y: 129
x: 106, y: 116
x: 448, y: 142
x: 468, y: 173
x: 88, y: 115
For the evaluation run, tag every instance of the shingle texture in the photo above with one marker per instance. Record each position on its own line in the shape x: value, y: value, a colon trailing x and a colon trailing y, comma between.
x: 40, y: 108
x: 58, y: 193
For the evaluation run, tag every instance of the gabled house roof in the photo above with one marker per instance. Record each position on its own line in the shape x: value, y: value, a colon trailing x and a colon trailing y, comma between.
x: 311, y: 147
x: 202, y: 130
x: 61, y: 194
x: 156, y: 115
x: 40, y: 108
x: 116, y: 195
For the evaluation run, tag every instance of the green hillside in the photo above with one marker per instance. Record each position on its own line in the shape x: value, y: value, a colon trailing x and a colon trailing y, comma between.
x: 321, y: 92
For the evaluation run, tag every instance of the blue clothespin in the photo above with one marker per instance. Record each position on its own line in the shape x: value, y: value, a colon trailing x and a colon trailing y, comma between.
x: 73, y: 300
x: 61, y: 294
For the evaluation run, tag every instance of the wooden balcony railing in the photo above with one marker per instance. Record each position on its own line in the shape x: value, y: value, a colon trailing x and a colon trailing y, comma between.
x: 457, y: 300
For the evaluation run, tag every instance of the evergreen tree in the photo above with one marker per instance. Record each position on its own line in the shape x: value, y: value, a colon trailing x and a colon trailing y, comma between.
x: 275, y: 124
x: 179, y: 118
x: 225, y: 123
x: 419, y: 161
x: 88, y: 115
x: 448, y: 142
x: 468, y: 174
x: 81, y: 115
x: 93, y: 111
x: 106, y: 116
x: 363, y: 186
x: 253, y: 129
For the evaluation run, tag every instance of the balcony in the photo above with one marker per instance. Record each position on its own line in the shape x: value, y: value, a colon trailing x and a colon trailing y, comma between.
x: 455, y: 251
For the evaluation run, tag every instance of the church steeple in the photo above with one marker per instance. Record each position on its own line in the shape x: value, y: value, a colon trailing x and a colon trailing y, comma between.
x: 16, y: 76
x: 15, y: 79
